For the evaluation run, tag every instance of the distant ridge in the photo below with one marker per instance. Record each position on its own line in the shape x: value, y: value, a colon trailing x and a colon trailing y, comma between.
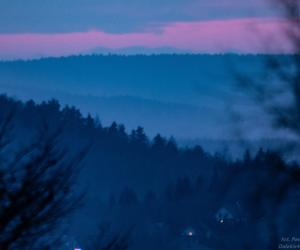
x: 201, y: 84
x: 139, y: 51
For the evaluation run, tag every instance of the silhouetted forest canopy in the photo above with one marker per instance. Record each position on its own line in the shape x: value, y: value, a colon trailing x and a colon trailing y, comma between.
x: 165, y: 196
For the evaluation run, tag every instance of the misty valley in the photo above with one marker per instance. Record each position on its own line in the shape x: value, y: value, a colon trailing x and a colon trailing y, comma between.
x: 145, y: 152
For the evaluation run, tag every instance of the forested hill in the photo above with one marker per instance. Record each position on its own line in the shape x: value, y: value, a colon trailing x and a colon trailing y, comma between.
x: 149, y: 184
x: 120, y: 157
x: 180, y: 95
x: 160, y: 77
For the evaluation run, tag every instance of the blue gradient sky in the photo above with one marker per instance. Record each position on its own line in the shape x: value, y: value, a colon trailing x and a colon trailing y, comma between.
x: 119, y: 16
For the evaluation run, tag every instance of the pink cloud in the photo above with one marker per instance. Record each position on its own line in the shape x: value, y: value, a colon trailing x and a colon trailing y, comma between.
x: 251, y: 35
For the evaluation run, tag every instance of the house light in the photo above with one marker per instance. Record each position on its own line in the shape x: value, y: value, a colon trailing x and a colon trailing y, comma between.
x: 190, y: 234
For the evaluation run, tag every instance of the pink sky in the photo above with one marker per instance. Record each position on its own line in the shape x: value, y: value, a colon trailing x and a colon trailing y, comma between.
x: 248, y: 35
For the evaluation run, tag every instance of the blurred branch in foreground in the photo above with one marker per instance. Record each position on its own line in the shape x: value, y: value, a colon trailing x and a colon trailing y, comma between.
x: 36, y: 190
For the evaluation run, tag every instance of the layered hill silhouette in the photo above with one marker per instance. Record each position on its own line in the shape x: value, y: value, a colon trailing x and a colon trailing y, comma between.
x: 193, y: 90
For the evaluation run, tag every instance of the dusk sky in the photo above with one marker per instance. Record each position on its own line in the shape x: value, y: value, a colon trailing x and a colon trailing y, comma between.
x: 36, y: 28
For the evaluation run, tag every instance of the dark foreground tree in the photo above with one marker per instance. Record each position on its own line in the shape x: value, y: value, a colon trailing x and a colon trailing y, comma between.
x: 270, y: 192
x: 277, y: 91
x: 36, y: 190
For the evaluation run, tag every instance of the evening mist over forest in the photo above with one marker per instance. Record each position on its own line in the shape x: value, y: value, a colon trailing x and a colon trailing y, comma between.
x: 168, y: 125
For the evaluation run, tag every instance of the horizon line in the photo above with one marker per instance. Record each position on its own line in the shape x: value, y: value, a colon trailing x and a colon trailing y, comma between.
x: 146, y: 55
